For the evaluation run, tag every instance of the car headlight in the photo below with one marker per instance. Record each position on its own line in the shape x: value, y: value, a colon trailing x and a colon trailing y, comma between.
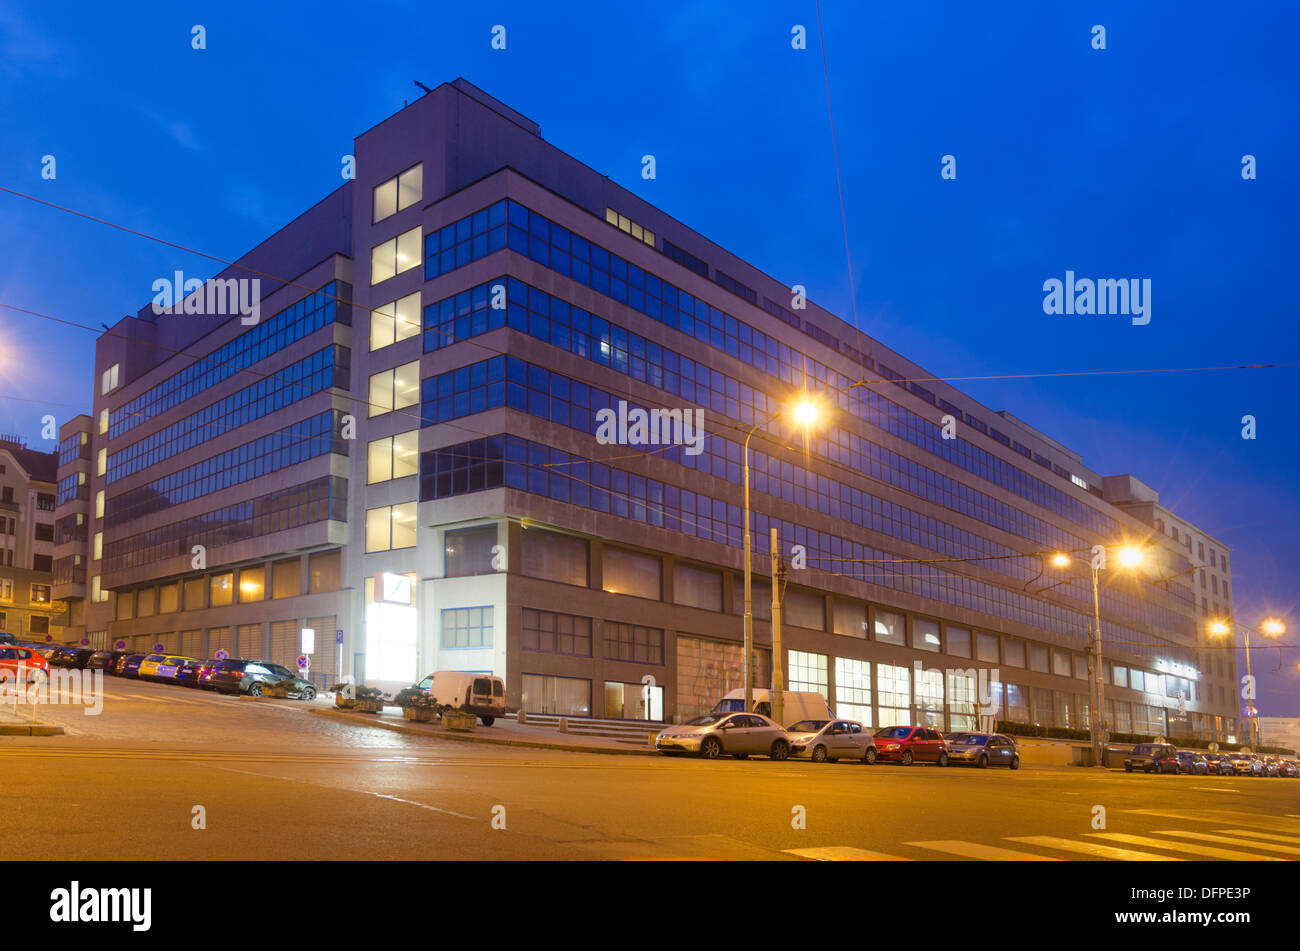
x: 891, y: 746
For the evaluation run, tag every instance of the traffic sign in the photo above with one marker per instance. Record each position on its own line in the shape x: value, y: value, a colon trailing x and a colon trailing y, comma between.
x: 303, y: 661
x: 120, y: 645
x: 222, y: 654
x: 338, y: 636
x: 85, y: 641
x: 158, y: 648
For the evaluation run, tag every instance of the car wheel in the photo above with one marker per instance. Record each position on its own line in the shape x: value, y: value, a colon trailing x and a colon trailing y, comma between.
x: 255, y: 690
x: 869, y: 757
x: 488, y: 721
x: 309, y: 693
x: 1015, y: 762
x: 982, y: 762
x: 942, y: 760
x: 780, y: 750
x: 711, y: 748
x: 819, y: 754
x: 906, y: 758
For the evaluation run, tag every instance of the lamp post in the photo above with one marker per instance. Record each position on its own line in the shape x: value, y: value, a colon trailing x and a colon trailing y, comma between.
x: 1130, y: 556
x: 1270, y: 627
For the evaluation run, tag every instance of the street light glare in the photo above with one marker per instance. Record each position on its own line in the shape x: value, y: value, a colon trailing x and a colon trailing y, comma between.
x: 1130, y: 556
x: 1274, y: 626
x: 1061, y: 560
x: 1218, y: 627
x: 805, y: 413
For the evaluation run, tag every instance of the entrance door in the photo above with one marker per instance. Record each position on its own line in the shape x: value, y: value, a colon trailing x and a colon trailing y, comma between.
x: 614, y: 699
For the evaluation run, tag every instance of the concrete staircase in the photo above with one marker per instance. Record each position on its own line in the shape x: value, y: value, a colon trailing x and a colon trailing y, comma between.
x: 634, y: 732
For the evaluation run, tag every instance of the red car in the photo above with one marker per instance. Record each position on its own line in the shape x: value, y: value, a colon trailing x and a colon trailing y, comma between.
x: 909, y: 744
x: 22, y: 664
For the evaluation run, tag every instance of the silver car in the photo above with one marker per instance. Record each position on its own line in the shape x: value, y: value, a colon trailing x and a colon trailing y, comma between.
x: 982, y: 750
x: 829, y: 740
x: 730, y: 734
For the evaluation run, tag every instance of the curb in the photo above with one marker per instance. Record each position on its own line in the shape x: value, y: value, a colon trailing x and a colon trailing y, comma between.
x: 30, y: 729
x: 371, y: 720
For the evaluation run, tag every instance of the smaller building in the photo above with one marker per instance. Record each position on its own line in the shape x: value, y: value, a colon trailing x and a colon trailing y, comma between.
x: 28, y: 610
x: 1280, y: 731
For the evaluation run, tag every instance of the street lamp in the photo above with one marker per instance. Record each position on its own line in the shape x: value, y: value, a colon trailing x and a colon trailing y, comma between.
x: 805, y: 414
x: 1130, y: 557
x: 1270, y: 627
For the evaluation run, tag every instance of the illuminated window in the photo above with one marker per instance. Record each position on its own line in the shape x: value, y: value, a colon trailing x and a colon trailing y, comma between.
x: 395, y: 255
x: 99, y: 546
x: 853, y: 689
x: 101, y: 465
x: 395, y: 321
x: 103, y: 421
x: 99, y: 504
x: 108, y: 381
x: 222, y: 589
x: 625, y: 572
x: 393, y: 457
x: 395, y: 389
x: 399, y: 192
x: 808, y: 672
x: 391, y: 526
x: 627, y: 225
x: 252, y: 584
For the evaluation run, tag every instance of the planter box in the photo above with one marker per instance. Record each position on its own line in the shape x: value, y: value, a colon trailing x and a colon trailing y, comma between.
x: 453, y: 720
x: 364, y: 706
x: 421, y: 714
x: 280, y: 692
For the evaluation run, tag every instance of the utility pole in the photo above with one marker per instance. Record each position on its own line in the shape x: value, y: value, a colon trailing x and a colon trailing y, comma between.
x: 1098, y: 687
x: 749, y: 602
x: 778, y: 673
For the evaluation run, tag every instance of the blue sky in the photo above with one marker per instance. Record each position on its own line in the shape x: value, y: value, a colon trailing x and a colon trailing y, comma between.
x: 1123, y: 162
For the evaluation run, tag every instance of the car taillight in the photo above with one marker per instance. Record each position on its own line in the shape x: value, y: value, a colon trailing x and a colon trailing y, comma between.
x: 236, y: 673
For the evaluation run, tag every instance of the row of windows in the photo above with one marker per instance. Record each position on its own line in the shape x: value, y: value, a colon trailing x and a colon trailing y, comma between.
x: 553, y: 633
x: 72, y: 486
x: 511, y: 461
x: 533, y: 389
x: 555, y: 247
x: 305, y: 504
x: 74, y: 447
x: 306, y: 439
x: 224, y: 588
x: 627, y: 225
x: 293, y: 323
x: 322, y: 370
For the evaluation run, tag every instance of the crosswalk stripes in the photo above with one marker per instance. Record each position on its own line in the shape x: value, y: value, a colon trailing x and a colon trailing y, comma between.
x: 1262, y: 835
x: 844, y: 853
x: 1204, y: 851
x: 976, y: 850
x: 1095, y: 849
x: 1229, y: 840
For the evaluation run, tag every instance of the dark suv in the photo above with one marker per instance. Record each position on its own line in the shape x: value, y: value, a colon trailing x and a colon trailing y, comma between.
x: 252, y: 677
x: 1152, y: 758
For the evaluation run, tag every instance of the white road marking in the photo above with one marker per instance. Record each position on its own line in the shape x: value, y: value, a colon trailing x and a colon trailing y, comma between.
x: 844, y: 853
x: 1091, y: 848
x: 975, y: 850
x: 1185, y: 847
x: 1230, y: 840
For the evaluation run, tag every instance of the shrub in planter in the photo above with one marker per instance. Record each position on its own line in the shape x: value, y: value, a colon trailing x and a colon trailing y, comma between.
x: 364, y: 699
x: 418, y: 704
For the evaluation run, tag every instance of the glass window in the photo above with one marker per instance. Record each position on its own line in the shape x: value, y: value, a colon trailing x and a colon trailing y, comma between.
x: 1038, y: 657
x: 554, y: 557
x: 807, y: 672
x: 324, y: 570
x: 986, y: 647
x: 1136, y: 679
x: 195, y: 589
x: 634, y: 642
x: 221, y: 590
x: 697, y: 587
x: 925, y: 635
x: 395, y: 321
x: 109, y: 379
x: 959, y: 641
x: 395, y: 389
x: 889, y: 628
x: 556, y: 633
x: 466, y: 627
x: 929, y: 698
x: 625, y: 572
x: 893, y: 694
x: 169, y: 597
x: 385, y: 200
x: 805, y: 609
x: 468, y: 551
x: 851, y: 620
x: 1017, y: 704
x: 393, y: 457
x: 1061, y: 665
x: 1013, y: 649
x: 252, y: 584
x: 395, y: 255
x: 567, y: 696
x: 146, y: 602
x: 853, y: 689
x: 760, y: 596
x: 1080, y: 666
x: 399, y: 192
x: 391, y: 526
x: 286, y: 579
x: 1119, y: 675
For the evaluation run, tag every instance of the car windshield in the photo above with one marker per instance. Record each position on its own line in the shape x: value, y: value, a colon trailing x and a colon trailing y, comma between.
x: 1144, y: 750
x: 707, y: 720
x: 893, y: 732
x: 968, y: 739
x: 808, y: 726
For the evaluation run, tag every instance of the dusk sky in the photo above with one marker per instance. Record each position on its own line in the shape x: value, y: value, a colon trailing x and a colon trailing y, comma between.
x: 1117, y: 163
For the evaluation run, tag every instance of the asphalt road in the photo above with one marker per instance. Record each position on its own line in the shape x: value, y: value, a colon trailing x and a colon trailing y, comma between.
x: 277, y: 781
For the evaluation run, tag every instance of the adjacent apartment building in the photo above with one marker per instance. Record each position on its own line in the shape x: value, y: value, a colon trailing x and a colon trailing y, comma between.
x: 28, y: 610
x: 404, y: 454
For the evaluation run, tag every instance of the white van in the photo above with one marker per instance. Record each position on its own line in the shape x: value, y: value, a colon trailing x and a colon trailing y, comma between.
x: 797, y: 705
x: 480, y: 694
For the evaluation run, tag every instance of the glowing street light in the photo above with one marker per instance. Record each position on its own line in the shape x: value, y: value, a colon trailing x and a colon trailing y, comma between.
x: 1061, y: 560
x: 1270, y: 627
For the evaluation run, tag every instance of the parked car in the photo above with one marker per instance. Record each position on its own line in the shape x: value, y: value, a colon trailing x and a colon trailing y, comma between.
x: 1152, y: 758
x: 7, y: 638
x: 104, y: 660
x: 480, y: 694
x: 129, y: 665
x: 1291, y: 768
x: 797, y: 705
x: 1271, y: 766
x: 1193, y: 763
x: 726, y: 734
x: 252, y: 677
x: 22, y: 664
x: 1220, y: 764
x: 161, y: 666
x: 911, y: 744
x: 188, y: 674
x: 1246, y: 764
x: 829, y: 740
x: 46, y: 650
x: 72, y: 657
x: 982, y: 750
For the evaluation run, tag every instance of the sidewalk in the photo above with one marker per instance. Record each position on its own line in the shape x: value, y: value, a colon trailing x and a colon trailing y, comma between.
x: 504, y: 732
x: 21, y: 723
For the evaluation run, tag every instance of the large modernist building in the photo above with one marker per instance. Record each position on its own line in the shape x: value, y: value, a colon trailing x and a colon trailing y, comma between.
x: 405, y: 455
x: 27, y: 607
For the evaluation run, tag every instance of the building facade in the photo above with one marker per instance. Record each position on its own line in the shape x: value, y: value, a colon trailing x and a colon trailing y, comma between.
x: 28, y: 609
x: 432, y: 451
